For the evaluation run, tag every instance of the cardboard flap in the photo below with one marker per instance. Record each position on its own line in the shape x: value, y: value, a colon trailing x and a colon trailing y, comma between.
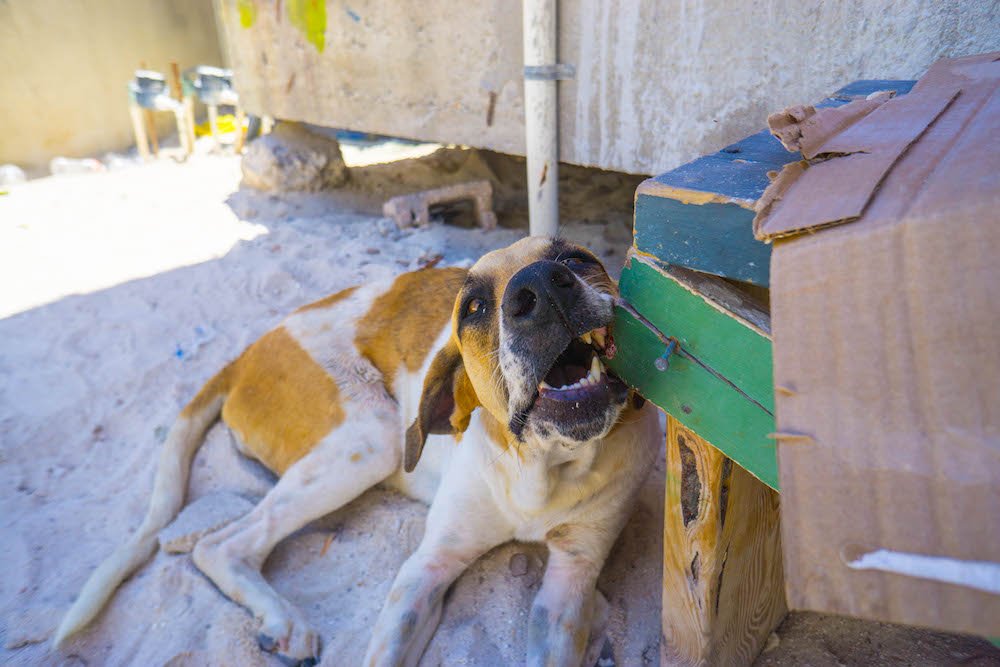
x: 804, y: 129
x: 836, y: 186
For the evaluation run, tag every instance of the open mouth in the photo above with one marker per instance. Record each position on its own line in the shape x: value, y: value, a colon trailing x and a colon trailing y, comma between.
x: 578, y: 373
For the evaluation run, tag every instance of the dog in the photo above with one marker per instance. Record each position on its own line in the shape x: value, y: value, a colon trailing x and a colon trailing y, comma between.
x: 496, y: 373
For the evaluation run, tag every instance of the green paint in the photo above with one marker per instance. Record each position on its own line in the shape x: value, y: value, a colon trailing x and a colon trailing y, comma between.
x: 309, y: 16
x: 248, y: 12
x: 688, y: 392
x: 995, y: 641
x: 713, y: 238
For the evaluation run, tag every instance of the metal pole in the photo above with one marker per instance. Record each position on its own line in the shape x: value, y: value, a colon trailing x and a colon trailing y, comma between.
x: 541, y: 119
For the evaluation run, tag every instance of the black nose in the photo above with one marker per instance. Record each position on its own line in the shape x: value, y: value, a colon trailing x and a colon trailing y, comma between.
x: 539, y: 294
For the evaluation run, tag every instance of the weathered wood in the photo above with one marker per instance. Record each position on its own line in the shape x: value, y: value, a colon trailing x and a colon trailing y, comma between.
x: 723, y: 589
x: 139, y: 130
x: 727, y: 395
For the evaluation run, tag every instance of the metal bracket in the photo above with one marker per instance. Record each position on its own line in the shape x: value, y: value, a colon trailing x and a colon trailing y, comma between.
x: 558, y: 72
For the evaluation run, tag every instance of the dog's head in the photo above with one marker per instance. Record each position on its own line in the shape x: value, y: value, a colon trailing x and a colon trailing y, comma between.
x: 528, y: 330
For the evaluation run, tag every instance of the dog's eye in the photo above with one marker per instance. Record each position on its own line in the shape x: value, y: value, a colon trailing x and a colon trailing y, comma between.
x: 574, y: 263
x: 473, y: 306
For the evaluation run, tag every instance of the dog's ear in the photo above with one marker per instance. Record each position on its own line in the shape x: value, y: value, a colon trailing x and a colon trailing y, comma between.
x: 446, y: 403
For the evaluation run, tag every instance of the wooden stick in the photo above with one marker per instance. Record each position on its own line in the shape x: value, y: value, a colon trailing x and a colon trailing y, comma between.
x: 213, y: 122
x: 138, y: 129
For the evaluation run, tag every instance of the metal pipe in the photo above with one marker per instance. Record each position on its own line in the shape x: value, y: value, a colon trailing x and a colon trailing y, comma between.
x: 541, y: 120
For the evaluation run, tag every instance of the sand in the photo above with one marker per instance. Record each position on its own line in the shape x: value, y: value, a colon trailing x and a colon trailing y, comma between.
x: 120, y: 293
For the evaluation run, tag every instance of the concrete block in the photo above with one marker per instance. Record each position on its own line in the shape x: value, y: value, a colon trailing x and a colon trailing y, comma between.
x: 292, y: 157
x: 413, y: 210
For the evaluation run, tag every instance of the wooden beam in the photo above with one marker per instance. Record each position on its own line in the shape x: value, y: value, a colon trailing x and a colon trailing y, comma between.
x: 723, y: 588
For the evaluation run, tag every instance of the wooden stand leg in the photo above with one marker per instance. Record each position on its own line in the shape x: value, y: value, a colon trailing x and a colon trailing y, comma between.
x: 150, y: 122
x: 213, y: 122
x: 723, y: 588
x: 139, y: 130
x: 182, y: 134
x: 189, y: 117
x: 240, y: 132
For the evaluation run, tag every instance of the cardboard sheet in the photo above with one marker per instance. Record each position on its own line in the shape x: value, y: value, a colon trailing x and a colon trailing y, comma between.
x: 801, y: 128
x: 836, y: 186
x: 887, y: 356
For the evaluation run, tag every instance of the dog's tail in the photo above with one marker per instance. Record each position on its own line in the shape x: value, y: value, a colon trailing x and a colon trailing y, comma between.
x: 172, y: 471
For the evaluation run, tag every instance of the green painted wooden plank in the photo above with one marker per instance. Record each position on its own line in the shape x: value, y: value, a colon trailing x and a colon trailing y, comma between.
x: 737, y: 349
x: 734, y: 349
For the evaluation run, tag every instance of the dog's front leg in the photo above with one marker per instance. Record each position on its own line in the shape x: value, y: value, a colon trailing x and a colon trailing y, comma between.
x: 462, y: 524
x: 564, y: 609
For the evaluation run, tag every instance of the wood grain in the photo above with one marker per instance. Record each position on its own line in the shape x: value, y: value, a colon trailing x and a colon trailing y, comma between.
x: 723, y: 589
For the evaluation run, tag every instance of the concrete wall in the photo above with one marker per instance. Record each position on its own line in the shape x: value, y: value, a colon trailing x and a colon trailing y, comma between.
x: 658, y: 81
x: 64, y: 66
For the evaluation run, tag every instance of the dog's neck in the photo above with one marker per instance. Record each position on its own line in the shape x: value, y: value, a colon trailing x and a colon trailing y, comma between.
x: 535, y: 468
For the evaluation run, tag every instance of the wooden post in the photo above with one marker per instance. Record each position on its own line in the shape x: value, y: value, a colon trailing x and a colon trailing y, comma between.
x: 181, y: 114
x: 139, y: 129
x: 213, y: 123
x: 723, y: 589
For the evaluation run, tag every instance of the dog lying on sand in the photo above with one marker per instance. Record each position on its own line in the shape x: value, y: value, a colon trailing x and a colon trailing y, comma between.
x: 496, y: 372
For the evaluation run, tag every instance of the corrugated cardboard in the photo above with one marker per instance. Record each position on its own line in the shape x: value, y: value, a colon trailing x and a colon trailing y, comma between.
x: 886, y: 332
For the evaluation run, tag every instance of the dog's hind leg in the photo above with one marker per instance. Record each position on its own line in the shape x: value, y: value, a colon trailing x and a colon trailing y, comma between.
x: 353, y: 457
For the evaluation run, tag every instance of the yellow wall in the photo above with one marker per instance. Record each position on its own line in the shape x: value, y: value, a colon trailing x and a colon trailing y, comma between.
x: 65, y: 64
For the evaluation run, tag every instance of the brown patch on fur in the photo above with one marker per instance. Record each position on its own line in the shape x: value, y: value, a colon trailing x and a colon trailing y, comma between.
x: 560, y: 532
x: 466, y: 402
x: 447, y: 402
x: 402, y: 324
x: 355, y: 457
x: 564, y: 538
x: 218, y: 385
x: 328, y: 301
x: 282, y: 402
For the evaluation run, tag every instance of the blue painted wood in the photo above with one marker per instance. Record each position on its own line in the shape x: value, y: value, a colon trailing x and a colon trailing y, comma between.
x: 699, y: 215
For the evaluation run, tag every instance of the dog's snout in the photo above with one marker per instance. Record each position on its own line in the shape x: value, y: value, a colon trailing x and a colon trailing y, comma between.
x: 540, y: 292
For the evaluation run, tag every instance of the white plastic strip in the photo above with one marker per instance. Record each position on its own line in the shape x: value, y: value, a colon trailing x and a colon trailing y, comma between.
x: 979, y: 574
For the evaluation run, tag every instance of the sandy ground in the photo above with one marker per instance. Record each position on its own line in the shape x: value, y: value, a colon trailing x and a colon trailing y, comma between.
x: 120, y: 293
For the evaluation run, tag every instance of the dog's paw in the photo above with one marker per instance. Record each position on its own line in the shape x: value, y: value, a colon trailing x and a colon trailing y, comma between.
x: 291, y: 640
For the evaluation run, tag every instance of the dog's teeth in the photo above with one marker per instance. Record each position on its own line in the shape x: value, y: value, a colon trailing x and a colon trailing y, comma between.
x: 583, y: 382
x: 598, y: 335
x: 586, y: 338
x: 595, y: 369
x: 544, y: 385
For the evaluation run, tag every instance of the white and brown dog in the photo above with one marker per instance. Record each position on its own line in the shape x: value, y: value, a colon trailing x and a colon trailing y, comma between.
x: 349, y: 391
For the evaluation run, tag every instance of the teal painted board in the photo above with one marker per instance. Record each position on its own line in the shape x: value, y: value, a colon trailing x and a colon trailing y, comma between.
x: 725, y: 244
x: 732, y: 404
x: 729, y: 181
